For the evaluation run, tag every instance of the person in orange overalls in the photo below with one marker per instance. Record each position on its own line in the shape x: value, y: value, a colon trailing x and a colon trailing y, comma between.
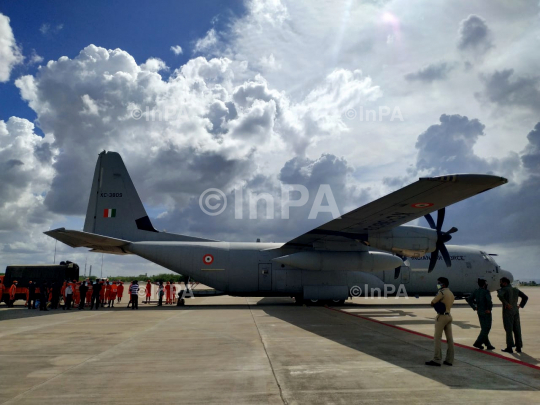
x: 89, y: 292
x: 148, y: 292
x: 76, y: 285
x: 168, y: 298
x: 120, y: 291
x: 2, y: 290
x: 102, y: 292
x: 173, y: 285
x: 107, y: 293
x: 12, y: 290
x: 112, y: 293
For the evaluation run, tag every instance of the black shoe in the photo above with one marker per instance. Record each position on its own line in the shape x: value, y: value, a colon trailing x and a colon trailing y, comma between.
x: 448, y: 364
x: 480, y: 347
x: 432, y: 363
x: 518, y: 349
x: 507, y: 350
x: 490, y: 347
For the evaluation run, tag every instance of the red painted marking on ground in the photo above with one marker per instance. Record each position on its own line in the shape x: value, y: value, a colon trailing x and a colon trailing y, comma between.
x: 489, y: 353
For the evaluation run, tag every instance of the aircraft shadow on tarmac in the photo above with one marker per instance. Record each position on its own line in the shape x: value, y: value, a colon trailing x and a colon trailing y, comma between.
x: 394, y: 347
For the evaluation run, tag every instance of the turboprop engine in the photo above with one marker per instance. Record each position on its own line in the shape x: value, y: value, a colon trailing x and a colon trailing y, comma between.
x: 341, y: 261
x: 410, y: 241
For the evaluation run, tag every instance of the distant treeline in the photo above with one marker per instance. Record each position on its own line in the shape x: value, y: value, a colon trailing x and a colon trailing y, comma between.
x: 156, y: 278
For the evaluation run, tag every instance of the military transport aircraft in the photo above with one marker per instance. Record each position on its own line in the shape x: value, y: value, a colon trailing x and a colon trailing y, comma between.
x: 364, y: 250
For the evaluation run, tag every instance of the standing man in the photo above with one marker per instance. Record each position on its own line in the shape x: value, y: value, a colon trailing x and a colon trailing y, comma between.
x: 509, y: 297
x: 161, y: 292
x: 134, y: 293
x: 168, y: 298
x: 173, y: 285
x: 83, y: 290
x: 112, y: 293
x: 480, y: 301
x: 12, y: 292
x: 96, y: 291
x: 443, y: 321
x: 31, y: 295
x: 68, y: 296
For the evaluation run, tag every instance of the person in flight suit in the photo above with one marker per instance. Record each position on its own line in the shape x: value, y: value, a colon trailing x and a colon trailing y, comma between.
x: 480, y: 301
x: 509, y: 297
x: 120, y: 291
x: 443, y: 322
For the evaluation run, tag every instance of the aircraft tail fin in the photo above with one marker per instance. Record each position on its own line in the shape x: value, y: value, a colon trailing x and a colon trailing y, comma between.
x: 115, y: 209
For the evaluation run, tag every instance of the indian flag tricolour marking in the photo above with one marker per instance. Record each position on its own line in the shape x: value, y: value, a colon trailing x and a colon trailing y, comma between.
x: 109, y: 213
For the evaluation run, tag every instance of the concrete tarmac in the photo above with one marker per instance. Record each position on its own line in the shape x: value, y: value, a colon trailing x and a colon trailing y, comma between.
x: 259, y: 350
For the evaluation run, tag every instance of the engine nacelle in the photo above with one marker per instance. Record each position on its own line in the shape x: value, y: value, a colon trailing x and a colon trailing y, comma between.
x: 341, y: 261
x: 410, y: 241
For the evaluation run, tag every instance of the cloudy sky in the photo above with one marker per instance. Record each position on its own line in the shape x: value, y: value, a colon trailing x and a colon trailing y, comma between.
x: 255, y: 95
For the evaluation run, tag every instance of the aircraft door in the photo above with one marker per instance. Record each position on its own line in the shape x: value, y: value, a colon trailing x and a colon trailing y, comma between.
x: 405, y: 274
x: 265, y: 276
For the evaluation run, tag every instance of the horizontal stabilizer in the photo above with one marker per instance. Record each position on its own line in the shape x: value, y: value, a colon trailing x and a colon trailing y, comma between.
x: 97, y: 243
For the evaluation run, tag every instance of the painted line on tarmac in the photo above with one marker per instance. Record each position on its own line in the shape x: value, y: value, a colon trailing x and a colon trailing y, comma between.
x: 499, y: 356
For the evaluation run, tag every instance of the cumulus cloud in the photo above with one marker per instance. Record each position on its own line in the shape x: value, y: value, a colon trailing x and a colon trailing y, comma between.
x: 10, y: 54
x: 206, y: 43
x: 34, y: 58
x: 504, y: 89
x: 474, y: 34
x: 177, y: 50
x: 431, y: 72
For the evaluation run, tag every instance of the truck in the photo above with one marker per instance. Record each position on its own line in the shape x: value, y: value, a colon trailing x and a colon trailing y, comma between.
x: 38, y: 274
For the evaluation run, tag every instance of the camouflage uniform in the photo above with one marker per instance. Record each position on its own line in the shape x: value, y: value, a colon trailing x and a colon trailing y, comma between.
x: 480, y: 301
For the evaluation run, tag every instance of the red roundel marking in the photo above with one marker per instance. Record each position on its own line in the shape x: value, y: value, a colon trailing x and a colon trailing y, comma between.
x: 422, y: 205
x: 208, y: 259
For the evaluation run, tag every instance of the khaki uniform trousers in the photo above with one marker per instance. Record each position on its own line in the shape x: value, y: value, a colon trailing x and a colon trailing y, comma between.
x: 443, y: 323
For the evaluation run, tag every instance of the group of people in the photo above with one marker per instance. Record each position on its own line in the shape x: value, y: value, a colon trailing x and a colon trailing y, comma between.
x: 480, y: 301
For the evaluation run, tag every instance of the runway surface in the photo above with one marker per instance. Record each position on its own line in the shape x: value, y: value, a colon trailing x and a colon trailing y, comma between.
x: 260, y: 350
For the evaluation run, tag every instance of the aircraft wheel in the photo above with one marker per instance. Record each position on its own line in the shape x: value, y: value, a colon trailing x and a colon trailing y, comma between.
x: 337, y: 302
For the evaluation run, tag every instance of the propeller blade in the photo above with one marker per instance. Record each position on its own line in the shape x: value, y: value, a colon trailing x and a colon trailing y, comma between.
x: 452, y: 230
x: 433, y: 259
x: 397, y: 271
x: 440, y: 218
x: 430, y: 221
x: 445, y: 255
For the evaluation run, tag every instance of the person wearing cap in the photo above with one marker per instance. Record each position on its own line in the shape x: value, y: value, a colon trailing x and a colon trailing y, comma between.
x: 120, y: 291
x: 509, y: 296
x: 12, y: 291
x: 31, y: 295
x: 148, y: 292
x: 443, y: 322
x: 480, y: 301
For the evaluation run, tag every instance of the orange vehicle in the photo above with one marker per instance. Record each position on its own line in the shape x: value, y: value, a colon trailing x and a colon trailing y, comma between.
x: 38, y: 274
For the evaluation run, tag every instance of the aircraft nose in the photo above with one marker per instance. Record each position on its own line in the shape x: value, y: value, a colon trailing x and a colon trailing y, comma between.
x: 508, y: 275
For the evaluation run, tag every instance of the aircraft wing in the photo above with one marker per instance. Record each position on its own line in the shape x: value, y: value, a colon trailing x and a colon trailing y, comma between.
x: 98, y: 243
x: 426, y: 195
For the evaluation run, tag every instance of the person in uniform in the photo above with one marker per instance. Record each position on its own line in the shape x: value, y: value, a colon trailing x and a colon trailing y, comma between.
x: 31, y: 295
x: 443, y: 322
x: 168, y: 298
x: 102, y: 292
x: 12, y: 293
x: 480, y: 301
x: 148, y: 292
x: 89, y: 292
x: 112, y: 293
x: 509, y: 297
x: 120, y: 291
